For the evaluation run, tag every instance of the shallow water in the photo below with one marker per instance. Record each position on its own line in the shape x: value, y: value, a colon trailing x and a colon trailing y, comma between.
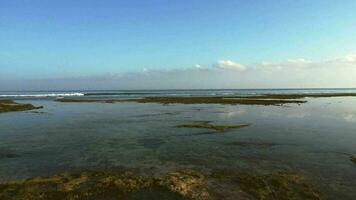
x: 315, y: 138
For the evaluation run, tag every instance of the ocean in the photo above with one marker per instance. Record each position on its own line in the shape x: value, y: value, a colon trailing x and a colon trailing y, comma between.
x: 316, y: 138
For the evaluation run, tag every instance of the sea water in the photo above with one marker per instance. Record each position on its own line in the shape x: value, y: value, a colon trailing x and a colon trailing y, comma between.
x: 316, y: 138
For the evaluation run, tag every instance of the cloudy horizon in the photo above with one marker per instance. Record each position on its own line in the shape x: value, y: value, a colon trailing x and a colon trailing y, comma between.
x: 223, y: 74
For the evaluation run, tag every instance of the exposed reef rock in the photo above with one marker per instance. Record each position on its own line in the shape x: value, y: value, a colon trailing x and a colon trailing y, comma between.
x: 183, y: 184
x: 108, y: 185
x: 300, y: 96
x: 263, y: 99
x: 11, y: 106
x: 215, y: 100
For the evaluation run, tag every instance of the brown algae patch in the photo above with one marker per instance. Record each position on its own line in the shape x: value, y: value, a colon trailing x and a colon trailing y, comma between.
x: 184, y: 184
x: 205, y: 125
x: 11, y: 106
x: 278, y: 185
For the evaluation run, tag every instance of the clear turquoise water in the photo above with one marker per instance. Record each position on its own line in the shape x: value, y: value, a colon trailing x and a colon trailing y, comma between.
x: 315, y: 138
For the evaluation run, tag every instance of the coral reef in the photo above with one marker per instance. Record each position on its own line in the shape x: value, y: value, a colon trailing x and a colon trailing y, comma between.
x: 11, y: 106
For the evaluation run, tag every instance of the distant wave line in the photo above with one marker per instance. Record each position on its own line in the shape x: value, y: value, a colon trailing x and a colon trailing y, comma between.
x: 121, y: 93
x: 43, y: 95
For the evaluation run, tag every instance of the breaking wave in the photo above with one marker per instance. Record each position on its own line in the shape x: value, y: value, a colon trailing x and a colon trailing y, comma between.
x: 44, y: 95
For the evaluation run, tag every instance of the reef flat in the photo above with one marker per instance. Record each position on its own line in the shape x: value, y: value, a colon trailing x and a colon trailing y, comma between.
x: 11, y: 106
x: 106, y: 184
x: 221, y: 128
x: 190, y: 100
x: 277, y: 185
x: 182, y: 184
x: 263, y: 99
x: 215, y: 100
x: 301, y: 96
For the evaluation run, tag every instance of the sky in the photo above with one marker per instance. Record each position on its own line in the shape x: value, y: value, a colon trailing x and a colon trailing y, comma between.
x: 157, y: 44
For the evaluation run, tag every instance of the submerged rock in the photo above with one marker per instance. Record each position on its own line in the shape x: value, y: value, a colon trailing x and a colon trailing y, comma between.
x: 220, y: 128
x: 353, y: 158
x: 183, y: 184
x: 108, y: 185
x: 253, y: 144
x: 281, y: 185
x: 4, y: 155
x: 187, y: 183
x: 11, y: 106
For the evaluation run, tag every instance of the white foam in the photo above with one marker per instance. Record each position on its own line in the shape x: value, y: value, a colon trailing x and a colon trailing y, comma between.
x: 44, y: 95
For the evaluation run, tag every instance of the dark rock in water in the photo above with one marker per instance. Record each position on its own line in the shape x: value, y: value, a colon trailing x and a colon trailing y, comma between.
x: 253, y: 144
x: 246, y: 100
x: 6, y: 153
x: 11, y: 106
x: 353, y: 158
x: 266, y: 99
x: 220, y: 128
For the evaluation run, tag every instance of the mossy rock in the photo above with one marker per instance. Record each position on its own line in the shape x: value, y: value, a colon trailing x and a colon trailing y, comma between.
x: 107, y: 185
x: 275, y: 186
x: 11, y: 106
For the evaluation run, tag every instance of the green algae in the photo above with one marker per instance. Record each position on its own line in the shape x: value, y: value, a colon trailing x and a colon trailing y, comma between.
x: 274, y: 186
x: 221, y: 128
x: 11, y: 106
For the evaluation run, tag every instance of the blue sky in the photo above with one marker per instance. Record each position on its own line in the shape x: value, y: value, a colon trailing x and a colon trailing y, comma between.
x: 41, y: 39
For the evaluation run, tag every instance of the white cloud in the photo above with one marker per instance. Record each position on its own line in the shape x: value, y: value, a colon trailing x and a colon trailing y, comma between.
x: 351, y: 58
x: 348, y: 59
x: 291, y: 73
x: 198, y: 66
x: 299, y: 61
x: 230, y: 65
x: 289, y: 63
